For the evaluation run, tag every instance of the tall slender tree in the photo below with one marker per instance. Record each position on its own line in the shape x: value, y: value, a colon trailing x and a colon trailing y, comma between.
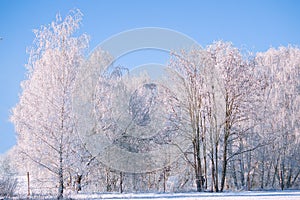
x: 187, y: 72
x: 43, y: 117
x: 239, y: 92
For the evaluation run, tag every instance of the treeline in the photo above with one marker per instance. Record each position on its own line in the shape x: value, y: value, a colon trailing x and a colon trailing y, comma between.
x: 238, y: 114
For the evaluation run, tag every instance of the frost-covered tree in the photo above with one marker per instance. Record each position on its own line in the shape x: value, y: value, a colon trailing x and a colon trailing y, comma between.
x: 136, y: 116
x: 217, y: 90
x: 239, y: 90
x: 187, y: 73
x: 279, y: 161
x: 43, y: 118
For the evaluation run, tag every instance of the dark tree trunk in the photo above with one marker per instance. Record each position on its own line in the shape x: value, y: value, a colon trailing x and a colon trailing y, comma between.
x: 262, y: 178
x: 203, y: 139
x: 224, y: 165
x: 281, y: 179
x: 225, y: 145
x: 213, y: 178
x: 60, y: 175
x: 78, y: 182
x: 121, y: 182
x: 216, y: 168
x: 289, y: 178
x: 108, y: 182
x: 224, y: 161
x: 198, y: 167
x: 275, y: 171
x: 205, y: 166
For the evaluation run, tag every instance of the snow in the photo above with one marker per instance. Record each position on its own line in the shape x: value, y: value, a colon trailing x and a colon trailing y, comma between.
x: 281, y: 195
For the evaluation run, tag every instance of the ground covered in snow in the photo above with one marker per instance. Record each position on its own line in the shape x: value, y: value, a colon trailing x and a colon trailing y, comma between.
x: 276, y: 195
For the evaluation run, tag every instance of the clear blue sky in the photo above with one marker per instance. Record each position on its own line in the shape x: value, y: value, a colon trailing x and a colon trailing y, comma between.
x: 254, y: 24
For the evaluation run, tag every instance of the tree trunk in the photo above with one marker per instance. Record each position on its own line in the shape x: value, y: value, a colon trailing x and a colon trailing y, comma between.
x: 275, y: 171
x: 236, y: 185
x: 198, y: 168
x: 205, y: 165
x: 28, y: 185
x: 296, y: 177
x: 134, y: 184
x: 282, y: 171
x: 217, y: 166
x: 213, y: 178
x: 108, y: 183
x: 281, y: 179
x: 78, y: 182
x: 250, y: 170
x: 61, y: 142
x: 233, y: 169
x: 121, y: 182
x: 262, y: 171
x: 214, y: 150
x: 242, y: 163
x: 289, y: 178
x: 224, y: 162
x: 203, y: 139
x: 226, y: 137
x: 248, y: 181
x: 60, y: 175
x: 164, y: 180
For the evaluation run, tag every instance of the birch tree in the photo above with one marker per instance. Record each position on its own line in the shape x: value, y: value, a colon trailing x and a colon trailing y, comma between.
x: 240, y: 89
x: 187, y: 72
x: 43, y: 117
x: 217, y: 90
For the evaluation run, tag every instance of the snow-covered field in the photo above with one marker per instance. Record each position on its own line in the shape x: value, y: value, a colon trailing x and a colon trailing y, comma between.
x: 281, y: 195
